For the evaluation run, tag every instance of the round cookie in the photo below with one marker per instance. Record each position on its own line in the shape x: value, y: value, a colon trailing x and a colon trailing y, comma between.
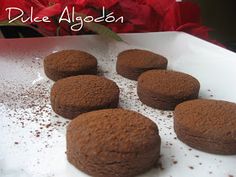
x: 78, y: 94
x: 207, y: 125
x: 131, y: 63
x: 164, y: 89
x: 68, y: 63
x: 113, y: 142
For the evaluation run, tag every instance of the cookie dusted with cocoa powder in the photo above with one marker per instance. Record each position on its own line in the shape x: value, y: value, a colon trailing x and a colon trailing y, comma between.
x: 131, y: 63
x: 113, y: 142
x: 207, y: 125
x: 68, y: 63
x: 164, y: 89
x: 78, y: 94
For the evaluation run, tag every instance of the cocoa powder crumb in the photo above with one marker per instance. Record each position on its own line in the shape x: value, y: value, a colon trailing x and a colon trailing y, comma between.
x: 191, y: 167
x: 175, y: 162
x: 162, y: 112
x: 48, y: 125
x: 160, y: 166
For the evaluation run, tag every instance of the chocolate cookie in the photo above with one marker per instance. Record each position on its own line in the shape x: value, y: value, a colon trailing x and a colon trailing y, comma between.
x: 78, y: 94
x: 131, y: 63
x: 113, y: 142
x: 69, y: 63
x: 163, y: 89
x: 207, y: 125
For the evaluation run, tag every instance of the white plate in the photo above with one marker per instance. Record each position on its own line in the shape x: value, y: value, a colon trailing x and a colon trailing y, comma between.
x: 32, y: 142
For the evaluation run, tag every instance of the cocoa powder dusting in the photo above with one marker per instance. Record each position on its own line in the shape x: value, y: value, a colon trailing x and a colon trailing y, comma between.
x: 29, y: 105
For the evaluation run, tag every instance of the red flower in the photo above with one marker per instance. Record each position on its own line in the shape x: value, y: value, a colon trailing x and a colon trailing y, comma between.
x: 101, y: 3
x: 195, y: 29
x: 139, y: 15
x: 43, y: 7
x: 161, y: 6
x: 190, y: 12
x: 171, y: 18
x: 90, y: 3
x: 121, y: 28
x: 5, y: 4
x: 198, y: 31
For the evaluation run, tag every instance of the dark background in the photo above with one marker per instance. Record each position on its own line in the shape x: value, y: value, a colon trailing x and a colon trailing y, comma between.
x: 220, y: 15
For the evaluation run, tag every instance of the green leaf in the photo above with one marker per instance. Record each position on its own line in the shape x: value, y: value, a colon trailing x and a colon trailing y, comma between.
x: 15, y: 23
x: 58, y: 30
x: 101, y: 29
